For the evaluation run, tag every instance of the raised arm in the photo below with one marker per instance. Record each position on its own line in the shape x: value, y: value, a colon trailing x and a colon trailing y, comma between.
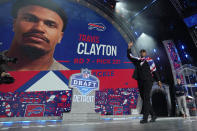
x: 130, y: 55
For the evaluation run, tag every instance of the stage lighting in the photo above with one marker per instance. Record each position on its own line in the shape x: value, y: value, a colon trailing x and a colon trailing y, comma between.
x: 138, y: 34
x: 155, y: 50
x: 145, y: 7
x: 182, y: 47
x: 141, y: 11
x: 121, y: 9
x: 146, y: 41
x: 143, y: 35
x: 111, y: 3
x: 186, y: 55
x: 158, y: 58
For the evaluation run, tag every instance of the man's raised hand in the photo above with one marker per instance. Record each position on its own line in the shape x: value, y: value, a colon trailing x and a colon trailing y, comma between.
x: 130, y: 45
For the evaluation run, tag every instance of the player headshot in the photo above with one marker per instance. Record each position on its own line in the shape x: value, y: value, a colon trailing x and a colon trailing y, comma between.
x: 38, y: 26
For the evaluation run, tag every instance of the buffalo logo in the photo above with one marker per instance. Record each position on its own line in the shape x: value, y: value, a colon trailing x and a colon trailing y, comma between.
x: 34, y: 111
x: 97, y: 26
x: 118, y: 110
x: 84, y: 82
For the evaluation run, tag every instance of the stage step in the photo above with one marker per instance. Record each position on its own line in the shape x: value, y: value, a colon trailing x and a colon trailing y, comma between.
x: 120, y: 117
x: 14, y: 119
x: 81, y: 117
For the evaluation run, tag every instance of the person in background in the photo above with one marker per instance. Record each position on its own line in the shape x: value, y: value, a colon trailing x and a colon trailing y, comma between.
x: 145, y: 73
x: 181, y: 98
x: 6, y: 78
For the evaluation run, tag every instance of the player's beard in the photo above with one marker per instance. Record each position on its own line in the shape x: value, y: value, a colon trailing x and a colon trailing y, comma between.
x: 33, y: 52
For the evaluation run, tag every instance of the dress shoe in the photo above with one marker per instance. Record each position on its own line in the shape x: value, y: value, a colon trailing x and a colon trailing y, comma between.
x: 153, y: 119
x: 143, y: 121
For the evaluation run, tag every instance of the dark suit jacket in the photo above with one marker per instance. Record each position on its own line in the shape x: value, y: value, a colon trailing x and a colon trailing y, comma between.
x: 180, y: 90
x: 142, y: 72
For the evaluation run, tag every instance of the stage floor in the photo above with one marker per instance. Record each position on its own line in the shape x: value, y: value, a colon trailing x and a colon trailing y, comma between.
x: 164, y: 124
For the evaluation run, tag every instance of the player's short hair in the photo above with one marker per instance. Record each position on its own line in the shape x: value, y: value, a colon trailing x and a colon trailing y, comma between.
x: 49, y: 4
x: 142, y: 50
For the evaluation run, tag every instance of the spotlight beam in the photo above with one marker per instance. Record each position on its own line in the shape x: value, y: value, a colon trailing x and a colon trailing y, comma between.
x: 141, y: 11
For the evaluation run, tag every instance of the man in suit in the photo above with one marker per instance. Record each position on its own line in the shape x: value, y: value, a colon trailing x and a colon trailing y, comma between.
x: 181, y: 98
x: 145, y: 73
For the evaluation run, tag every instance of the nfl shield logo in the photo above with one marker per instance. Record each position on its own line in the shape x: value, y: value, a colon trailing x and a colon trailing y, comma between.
x: 86, y: 74
x: 84, y: 82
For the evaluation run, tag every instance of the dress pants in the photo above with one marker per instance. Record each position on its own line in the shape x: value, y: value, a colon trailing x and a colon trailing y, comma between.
x: 145, y: 87
x: 181, y: 100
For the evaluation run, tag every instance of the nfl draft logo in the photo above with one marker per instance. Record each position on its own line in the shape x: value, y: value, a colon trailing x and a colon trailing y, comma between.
x: 84, y: 82
x: 96, y: 26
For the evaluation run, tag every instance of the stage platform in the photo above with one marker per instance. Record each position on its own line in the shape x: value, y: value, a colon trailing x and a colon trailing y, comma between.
x: 164, y: 124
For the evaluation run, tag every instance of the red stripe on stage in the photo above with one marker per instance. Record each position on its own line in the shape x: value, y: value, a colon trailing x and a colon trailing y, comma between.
x: 109, y: 78
x: 127, y: 62
x: 21, y: 77
x: 122, y: 78
x: 63, y: 61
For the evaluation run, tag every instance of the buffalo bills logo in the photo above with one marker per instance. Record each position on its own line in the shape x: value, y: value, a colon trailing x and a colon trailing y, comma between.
x: 84, y: 82
x: 35, y: 110
x: 97, y: 26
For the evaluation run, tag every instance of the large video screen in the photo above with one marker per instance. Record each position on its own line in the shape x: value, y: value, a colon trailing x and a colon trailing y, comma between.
x: 191, y: 21
x: 72, y: 38
x: 53, y: 41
